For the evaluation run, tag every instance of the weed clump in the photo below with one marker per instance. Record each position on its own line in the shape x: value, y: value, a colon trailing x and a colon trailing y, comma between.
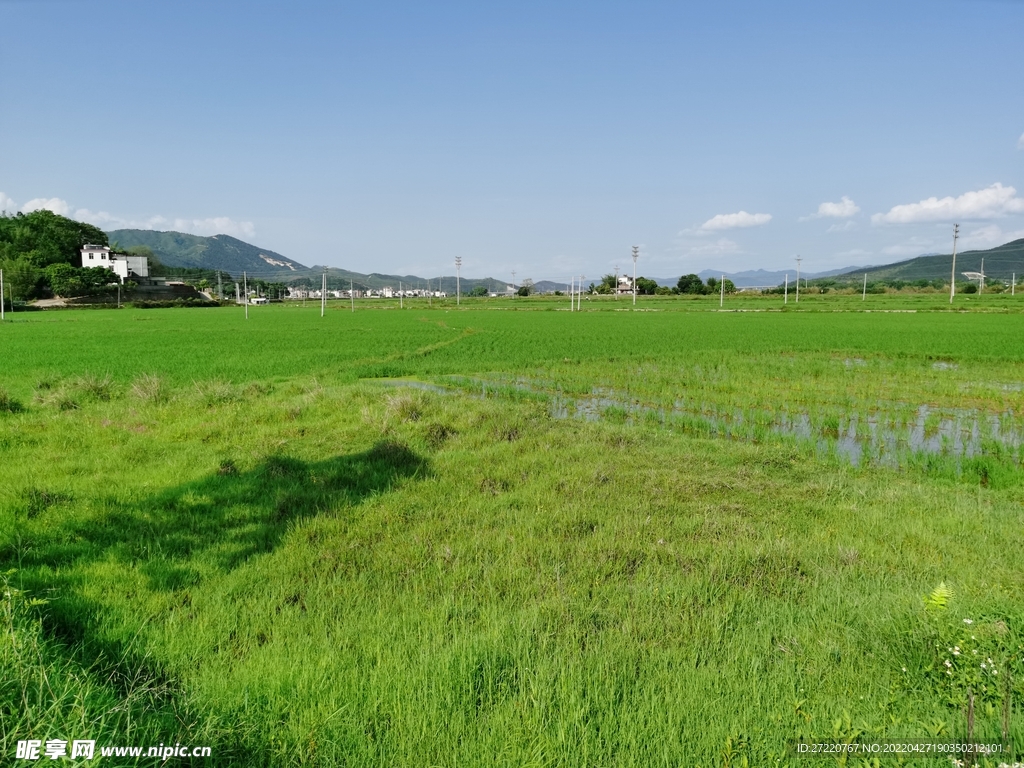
x: 94, y: 387
x: 404, y: 406
x: 438, y: 434
x: 213, y: 393
x: 227, y: 468
x: 149, y: 388
x: 258, y: 389
x: 508, y: 433
x: 7, y: 403
x: 60, y: 398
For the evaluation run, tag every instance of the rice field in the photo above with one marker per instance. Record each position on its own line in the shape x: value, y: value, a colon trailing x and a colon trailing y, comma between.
x: 508, y: 534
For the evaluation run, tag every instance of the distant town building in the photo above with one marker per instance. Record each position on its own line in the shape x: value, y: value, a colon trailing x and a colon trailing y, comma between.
x: 625, y: 285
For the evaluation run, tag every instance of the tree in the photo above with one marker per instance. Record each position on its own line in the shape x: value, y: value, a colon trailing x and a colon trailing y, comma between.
x: 45, y: 238
x: 690, y: 284
x: 646, y: 287
x: 68, y: 281
x: 480, y: 290
x: 21, y: 278
x: 714, y: 285
x: 607, y: 284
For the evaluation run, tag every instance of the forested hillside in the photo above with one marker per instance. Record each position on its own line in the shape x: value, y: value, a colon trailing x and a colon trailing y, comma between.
x: 40, y: 250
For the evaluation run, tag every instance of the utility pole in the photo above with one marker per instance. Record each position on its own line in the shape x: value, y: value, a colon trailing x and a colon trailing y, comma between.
x: 952, y: 277
x: 864, y: 295
x: 352, y: 294
x: 721, y: 299
x: 401, y: 296
x: 616, y: 288
x: 2, y: 295
x: 981, y: 281
x: 785, y: 297
x: 513, y: 283
x: 636, y: 255
x: 458, y: 280
x: 245, y: 282
x: 579, y: 294
x: 220, y: 287
x: 572, y: 294
x: 323, y: 293
x: 798, y: 260
x: 1013, y: 283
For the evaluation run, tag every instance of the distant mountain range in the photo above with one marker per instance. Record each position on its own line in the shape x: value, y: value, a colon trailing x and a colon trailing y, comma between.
x: 234, y: 256
x: 229, y: 254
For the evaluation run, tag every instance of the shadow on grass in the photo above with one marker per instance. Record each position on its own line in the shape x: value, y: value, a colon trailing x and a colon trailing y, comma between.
x: 174, y: 538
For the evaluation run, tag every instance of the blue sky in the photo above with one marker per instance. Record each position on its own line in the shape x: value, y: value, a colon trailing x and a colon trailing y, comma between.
x: 547, y: 138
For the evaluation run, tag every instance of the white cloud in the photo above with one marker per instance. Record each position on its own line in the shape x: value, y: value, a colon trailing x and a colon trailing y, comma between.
x: 55, y: 204
x: 216, y: 225
x: 988, y: 236
x: 915, y: 246
x: 841, y: 226
x: 734, y: 221
x: 844, y: 209
x: 1020, y: 142
x: 720, y: 246
x: 220, y: 225
x: 989, y: 203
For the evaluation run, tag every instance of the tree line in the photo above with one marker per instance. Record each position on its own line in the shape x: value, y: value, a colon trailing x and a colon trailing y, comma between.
x: 687, y: 284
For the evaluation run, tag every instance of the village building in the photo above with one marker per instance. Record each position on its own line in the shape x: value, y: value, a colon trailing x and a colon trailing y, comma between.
x: 124, y: 265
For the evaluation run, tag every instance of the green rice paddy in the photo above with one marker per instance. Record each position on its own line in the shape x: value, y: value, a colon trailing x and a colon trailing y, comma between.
x: 507, y: 534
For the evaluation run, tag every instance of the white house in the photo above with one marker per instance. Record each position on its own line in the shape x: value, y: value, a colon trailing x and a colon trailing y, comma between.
x: 123, y: 265
x: 95, y: 256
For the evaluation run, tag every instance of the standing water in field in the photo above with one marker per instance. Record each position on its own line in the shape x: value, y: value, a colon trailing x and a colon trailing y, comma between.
x: 885, y: 436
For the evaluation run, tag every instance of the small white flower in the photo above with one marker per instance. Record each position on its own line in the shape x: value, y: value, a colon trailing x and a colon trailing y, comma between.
x: 904, y: 669
x: 983, y: 665
x: 995, y: 671
x: 948, y: 664
x: 975, y: 651
x: 956, y: 652
x: 968, y: 621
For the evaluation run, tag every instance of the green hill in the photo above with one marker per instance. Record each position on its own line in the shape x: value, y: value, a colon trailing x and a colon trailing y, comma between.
x: 176, y: 249
x: 1000, y: 263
